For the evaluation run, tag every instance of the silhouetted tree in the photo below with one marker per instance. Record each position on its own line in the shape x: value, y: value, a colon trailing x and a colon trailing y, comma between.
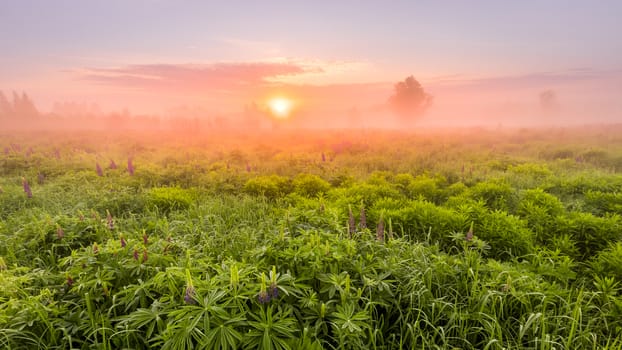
x: 409, y: 99
x: 24, y: 107
x: 548, y: 101
x: 5, y: 106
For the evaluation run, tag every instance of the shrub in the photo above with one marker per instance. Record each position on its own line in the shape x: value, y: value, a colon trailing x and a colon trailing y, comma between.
x: 170, y: 198
x: 496, y: 195
x: 600, y: 203
x: 539, y: 209
x: 608, y: 262
x: 271, y: 186
x: 310, y: 185
x: 591, y: 233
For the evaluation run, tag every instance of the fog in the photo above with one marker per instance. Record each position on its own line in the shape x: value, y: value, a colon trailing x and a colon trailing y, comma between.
x: 548, y: 99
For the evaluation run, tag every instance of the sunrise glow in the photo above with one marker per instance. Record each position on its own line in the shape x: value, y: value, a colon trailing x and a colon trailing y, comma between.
x: 280, y: 107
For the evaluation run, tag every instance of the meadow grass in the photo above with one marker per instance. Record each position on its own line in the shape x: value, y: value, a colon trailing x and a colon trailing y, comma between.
x: 455, y: 239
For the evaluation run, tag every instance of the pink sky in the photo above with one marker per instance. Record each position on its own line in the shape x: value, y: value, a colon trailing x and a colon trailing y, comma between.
x: 480, y: 61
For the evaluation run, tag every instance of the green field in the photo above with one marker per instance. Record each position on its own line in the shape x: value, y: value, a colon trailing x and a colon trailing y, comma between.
x: 352, y: 239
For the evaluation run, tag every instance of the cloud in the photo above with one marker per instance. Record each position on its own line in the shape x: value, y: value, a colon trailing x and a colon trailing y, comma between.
x: 195, y: 76
x: 536, y: 79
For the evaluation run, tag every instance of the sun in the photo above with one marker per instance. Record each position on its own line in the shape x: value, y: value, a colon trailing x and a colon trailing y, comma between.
x: 280, y: 107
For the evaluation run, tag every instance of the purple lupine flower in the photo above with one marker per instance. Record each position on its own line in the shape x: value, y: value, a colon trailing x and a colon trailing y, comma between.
x: 263, y: 297
x: 274, y: 290
x: 123, y: 242
x: 26, y: 187
x: 363, y: 223
x: 323, y: 157
x: 145, y: 255
x: 135, y: 254
x: 145, y: 238
x: 469, y: 234
x: 109, y: 220
x: 60, y: 233
x: 40, y: 178
x: 189, y: 295
x: 130, y: 166
x: 100, y: 172
x: 380, y: 230
x: 112, y: 164
x: 69, y: 281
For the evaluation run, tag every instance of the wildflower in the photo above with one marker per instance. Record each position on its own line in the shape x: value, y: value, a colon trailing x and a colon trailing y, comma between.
x: 351, y: 222
x: 95, y: 248
x: 100, y: 172
x: 60, y: 233
x: 69, y: 281
x: 323, y: 157
x: 112, y: 164
x: 123, y: 242
x: 145, y: 238
x: 380, y: 230
x: 363, y: 223
x: 135, y: 254
x: 109, y: 220
x: 190, y: 292
x: 130, y: 166
x: 263, y: 297
x: 189, y: 295
x: 469, y: 234
x: 26, y: 187
x: 248, y: 168
x: 145, y: 255
x: 40, y: 179
x: 274, y: 288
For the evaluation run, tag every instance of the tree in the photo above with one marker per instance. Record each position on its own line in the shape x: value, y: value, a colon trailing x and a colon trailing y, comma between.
x: 548, y: 101
x: 409, y: 98
x: 6, y: 108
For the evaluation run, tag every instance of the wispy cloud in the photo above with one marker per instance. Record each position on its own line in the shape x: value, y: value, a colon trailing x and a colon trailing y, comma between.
x: 536, y: 79
x: 195, y: 76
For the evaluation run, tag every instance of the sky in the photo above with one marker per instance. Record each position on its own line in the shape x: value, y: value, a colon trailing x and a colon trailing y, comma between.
x: 480, y: 60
